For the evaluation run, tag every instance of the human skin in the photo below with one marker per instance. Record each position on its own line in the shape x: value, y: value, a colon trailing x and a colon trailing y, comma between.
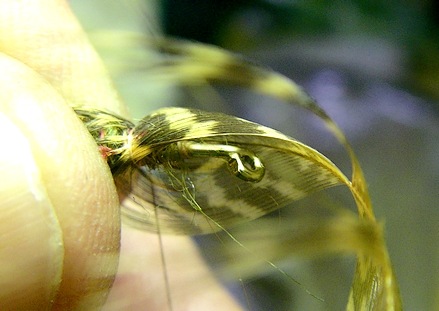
x: 59, y: 210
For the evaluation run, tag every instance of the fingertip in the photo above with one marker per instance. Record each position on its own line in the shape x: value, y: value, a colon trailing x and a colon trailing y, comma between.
x: 91, y: 215
x: 78, y: 183
x: 32, y: 248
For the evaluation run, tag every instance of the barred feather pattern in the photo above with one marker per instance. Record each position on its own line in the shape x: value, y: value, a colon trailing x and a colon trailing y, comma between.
x: 196, y: 195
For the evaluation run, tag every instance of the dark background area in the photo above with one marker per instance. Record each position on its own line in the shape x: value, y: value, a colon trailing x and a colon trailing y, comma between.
x: 242, y: 25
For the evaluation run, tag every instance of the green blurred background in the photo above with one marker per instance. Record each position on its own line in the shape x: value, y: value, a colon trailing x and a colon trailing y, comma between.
x: 373, y: 65
x: 411, y: 27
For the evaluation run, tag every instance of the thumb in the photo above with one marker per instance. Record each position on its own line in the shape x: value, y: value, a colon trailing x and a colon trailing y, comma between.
x: 59, y: 166
x: 31, y: 238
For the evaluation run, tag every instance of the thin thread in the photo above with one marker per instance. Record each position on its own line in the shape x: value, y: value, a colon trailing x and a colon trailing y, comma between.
x: 163, y: 261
